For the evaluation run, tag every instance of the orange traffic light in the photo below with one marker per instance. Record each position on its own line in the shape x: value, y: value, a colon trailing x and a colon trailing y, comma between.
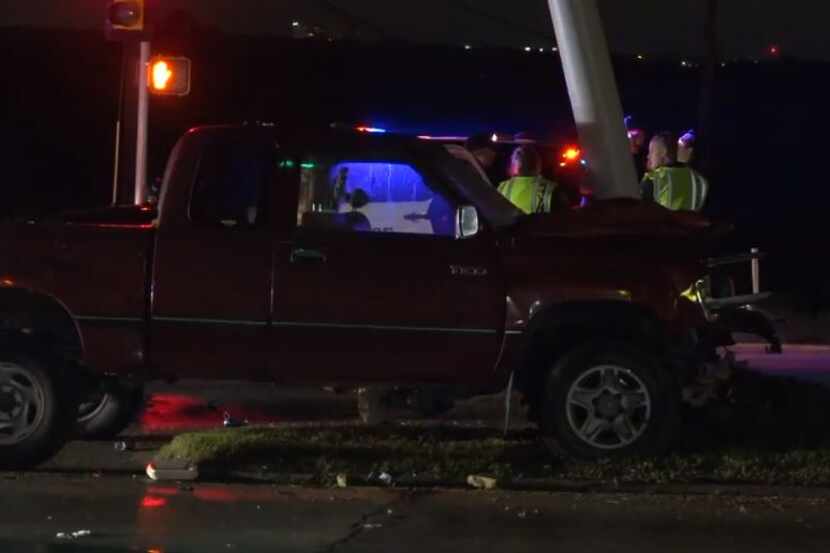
x: 126, y: 15
x: 169, y: 76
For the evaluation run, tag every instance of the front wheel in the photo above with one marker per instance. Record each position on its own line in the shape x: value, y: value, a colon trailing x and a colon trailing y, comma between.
x: 34, y: 410
x: 609, y: 399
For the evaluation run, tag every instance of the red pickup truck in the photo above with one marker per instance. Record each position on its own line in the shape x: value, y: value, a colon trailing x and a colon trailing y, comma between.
x: 347, y: 259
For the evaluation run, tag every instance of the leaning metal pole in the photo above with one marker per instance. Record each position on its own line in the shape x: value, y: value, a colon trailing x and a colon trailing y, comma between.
x: 595, y: 99
x: 141, y: 132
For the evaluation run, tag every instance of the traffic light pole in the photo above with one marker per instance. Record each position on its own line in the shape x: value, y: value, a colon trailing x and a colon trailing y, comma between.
x: 122, y: 83
x: 141, y: 126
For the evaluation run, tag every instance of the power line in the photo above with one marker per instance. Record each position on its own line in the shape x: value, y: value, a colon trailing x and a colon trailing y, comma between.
x: 471, y: 9
x: 353, y: 20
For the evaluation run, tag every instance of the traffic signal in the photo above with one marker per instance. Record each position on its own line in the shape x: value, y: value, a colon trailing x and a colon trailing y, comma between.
x: 126, y: 15
x: 169, y: 76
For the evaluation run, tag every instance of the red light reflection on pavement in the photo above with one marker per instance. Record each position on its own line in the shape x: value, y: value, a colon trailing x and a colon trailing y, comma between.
x: 174, y: 411
x: 153, y: 502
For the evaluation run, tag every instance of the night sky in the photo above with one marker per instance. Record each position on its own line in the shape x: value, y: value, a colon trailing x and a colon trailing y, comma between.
x: 656, y: 27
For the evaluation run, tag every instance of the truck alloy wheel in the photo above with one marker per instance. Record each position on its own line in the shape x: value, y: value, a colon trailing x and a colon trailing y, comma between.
x: 608, y: 407
x: 607, y: 399
x: 33, y: 408
x: 22, y: 404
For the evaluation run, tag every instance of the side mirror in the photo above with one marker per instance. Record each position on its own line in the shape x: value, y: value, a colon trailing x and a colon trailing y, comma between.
x: 466, y: 222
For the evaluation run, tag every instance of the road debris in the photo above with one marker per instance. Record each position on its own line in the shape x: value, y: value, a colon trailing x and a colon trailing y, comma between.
x: 124, y: 445
x: 73, y: 535
x: 229, y: 422
x: 172, y: 470
x: 372, y: 526
x: 482, y: 482
x: 342, y: 481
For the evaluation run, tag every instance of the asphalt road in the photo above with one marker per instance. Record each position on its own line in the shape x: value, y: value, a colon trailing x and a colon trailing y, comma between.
x: 127, y: 514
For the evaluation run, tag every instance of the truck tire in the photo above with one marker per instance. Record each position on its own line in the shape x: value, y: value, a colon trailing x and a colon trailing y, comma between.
x: 609, y: 399
x: 36, y: 407
x: 105, y: 414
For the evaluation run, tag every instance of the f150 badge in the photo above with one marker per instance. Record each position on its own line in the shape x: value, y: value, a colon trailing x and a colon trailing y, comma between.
x: 466, y: 270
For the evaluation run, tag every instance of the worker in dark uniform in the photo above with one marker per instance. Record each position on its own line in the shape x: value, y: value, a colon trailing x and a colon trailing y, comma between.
x: 485, y: 152
x: 686, y: 148
x: 637, y: 146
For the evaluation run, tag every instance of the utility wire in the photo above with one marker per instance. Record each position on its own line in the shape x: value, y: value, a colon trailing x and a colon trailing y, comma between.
x: 472, y: 9
x: 353, y: 20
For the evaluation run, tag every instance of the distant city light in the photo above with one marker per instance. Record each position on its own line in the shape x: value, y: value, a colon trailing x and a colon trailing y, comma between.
x: 541, y: 49
x: 554, y: 49
x: 684, y: 63
x: 295, y: 23
x: 468, y: 47
x: 640, y: 57
x: 528, y: 48
x: 774, y: 50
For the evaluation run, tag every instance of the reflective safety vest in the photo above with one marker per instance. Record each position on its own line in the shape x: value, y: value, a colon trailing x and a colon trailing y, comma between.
x: 530, y: 194
x: 679, y: 188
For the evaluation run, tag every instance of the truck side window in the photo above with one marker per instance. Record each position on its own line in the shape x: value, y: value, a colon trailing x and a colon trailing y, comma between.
x: 230, y: 184
x: 371, y: 196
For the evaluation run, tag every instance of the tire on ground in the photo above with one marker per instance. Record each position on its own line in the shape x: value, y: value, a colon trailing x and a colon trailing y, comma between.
x: 36, y: 407
x: 585, y: 389
x: 109, y: 412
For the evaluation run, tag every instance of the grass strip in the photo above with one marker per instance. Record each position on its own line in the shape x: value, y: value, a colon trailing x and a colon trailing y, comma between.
x: 452, y: 453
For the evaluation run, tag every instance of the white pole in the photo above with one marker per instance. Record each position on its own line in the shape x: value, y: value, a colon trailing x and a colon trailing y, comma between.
x: 117, y: 162
x: 594, y: 97
x: 141, y: 135
x: 756, y: 271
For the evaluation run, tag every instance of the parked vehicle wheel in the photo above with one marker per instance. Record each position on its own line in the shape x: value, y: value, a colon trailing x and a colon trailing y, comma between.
x: 609, y: 399
x: 105, y: 414
x: 34, y: 410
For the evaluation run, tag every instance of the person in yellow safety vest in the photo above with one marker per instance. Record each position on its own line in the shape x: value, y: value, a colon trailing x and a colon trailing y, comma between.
x: 673, y: 185
x: 527, y: 189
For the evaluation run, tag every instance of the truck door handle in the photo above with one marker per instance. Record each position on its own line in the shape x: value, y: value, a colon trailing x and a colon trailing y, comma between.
x: 300, y: 255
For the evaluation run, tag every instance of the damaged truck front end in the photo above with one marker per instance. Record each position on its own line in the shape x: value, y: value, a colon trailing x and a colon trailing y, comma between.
x: 728, y: 313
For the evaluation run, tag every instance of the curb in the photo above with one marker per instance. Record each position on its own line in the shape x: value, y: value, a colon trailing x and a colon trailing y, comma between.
x: 544, y: 485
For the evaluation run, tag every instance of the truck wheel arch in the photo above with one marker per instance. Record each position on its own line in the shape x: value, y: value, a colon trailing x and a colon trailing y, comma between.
x: 559, y: 328
x: 41, y: 316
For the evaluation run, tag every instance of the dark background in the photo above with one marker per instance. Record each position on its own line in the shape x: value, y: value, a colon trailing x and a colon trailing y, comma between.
x: 59, y: 105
